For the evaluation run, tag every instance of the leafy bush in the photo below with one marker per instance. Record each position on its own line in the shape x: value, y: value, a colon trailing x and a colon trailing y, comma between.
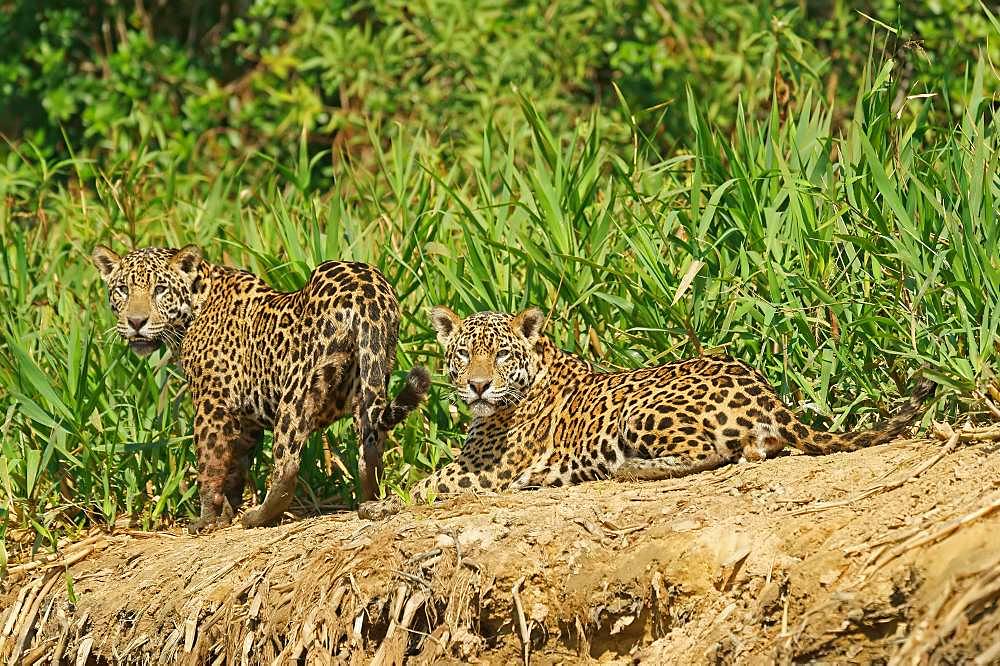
x: 210, y: 83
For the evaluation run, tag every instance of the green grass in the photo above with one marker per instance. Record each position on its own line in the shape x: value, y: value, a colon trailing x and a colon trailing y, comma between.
x: 835, y: 262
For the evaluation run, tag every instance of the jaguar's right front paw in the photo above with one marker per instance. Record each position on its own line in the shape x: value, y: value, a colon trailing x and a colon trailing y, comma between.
x: 380, y: 509
x: 212, y: 520
x: 528, y: 480
x: 203, y: 525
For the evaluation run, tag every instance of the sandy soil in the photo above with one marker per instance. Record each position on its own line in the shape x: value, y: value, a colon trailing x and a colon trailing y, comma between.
x: 889, y: 555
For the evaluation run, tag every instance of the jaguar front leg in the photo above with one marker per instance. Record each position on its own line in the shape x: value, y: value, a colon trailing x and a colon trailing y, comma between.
x: 380, y: 509
x: 451, y: 480
x: 217, y: 438
x: 554, y: 469
x: 531, y: 478
x: 236, y: 480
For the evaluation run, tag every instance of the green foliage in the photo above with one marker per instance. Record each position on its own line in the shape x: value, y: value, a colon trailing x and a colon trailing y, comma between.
x: 835, y: 242
x: 209, y: 82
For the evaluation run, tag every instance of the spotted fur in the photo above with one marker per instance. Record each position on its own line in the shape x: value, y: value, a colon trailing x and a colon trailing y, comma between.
x: 257, y: 359
x: 544, y: 417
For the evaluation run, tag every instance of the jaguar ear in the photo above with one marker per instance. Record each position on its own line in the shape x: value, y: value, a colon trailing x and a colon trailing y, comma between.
x: 187, y: 261
x: 105, y: 260
x: 528, y: 324
x: 445, y: 322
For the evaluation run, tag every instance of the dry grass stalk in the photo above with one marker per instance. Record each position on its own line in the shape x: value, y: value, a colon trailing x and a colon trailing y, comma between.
x: 68, y: 556
x: 926, y: 537
x: 24, y: 627
x: 991, y: 655
x: 945, y: 432
x: 522, y: 625
x: 944, y: 620
x: 422, y: 586
x: 990, y: 405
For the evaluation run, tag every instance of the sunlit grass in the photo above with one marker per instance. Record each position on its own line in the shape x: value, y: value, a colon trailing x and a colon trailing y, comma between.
x: 836, y: 264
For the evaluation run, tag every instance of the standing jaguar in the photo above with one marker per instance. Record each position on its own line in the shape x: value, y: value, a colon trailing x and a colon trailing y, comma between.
x: 544, y: 417
x: 256, y: 358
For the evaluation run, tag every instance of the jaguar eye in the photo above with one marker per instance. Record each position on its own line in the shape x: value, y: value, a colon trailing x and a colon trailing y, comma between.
x: 159, y: 290
x: 121, y: 291
x: 502, y: 356
x: 462, y: 355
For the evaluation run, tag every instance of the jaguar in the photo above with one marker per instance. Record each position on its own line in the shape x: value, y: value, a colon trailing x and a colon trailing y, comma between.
x: 546, y: 417
x: 258, y: 359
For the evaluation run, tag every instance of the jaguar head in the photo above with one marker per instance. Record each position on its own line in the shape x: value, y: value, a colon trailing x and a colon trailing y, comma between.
x: 492, y: 357
x: 152, y: 292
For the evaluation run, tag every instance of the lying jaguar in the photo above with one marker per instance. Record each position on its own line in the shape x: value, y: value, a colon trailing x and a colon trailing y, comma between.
x: 544, y: 417
x: 257, y: 359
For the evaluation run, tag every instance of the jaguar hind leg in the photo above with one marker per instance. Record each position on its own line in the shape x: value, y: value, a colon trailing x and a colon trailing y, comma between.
x: 292, y: 427
x: 376, y: 354
x: 673, y: 446
x: 666, y: 467
x: 761, y: 442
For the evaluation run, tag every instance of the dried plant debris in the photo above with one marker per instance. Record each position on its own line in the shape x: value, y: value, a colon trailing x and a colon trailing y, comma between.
x: 886, y: 554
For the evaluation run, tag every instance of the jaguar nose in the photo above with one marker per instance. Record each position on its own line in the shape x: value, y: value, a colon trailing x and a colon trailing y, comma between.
x: 137, y: 322
x: 480, y: 386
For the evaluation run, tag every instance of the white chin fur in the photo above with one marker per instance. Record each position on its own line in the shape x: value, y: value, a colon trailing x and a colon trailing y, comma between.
x: 482, y: 408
